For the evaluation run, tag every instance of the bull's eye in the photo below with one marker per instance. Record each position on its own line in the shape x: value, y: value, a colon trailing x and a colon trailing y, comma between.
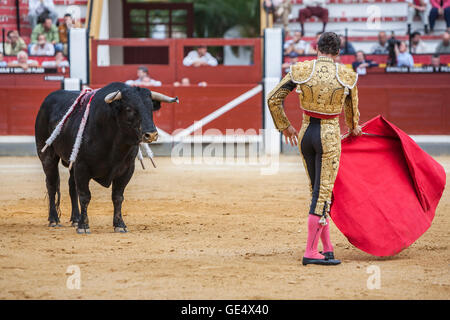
x: 128, y: 109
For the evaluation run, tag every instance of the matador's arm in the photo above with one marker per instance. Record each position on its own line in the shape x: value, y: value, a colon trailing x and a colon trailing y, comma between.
x: 275, y: 102
x: 351, y: 109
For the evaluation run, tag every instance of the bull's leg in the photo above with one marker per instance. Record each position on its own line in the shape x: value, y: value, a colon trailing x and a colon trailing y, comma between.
x: 75, y: 216
x: 84, y: 194
x: 50, y: 165
x: 118, y: 187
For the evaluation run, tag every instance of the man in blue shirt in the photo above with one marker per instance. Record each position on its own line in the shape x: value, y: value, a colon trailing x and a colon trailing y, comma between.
x: 404, y: 58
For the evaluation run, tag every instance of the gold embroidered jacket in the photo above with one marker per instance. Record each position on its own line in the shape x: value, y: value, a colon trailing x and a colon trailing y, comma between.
x: 324, y: 87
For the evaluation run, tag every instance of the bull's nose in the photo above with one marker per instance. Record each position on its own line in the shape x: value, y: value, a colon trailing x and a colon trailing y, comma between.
x: 150, y: 136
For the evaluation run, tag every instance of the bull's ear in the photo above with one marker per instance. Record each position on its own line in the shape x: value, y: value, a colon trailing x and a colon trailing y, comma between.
x: 156, y: 105
x: 113, y: 96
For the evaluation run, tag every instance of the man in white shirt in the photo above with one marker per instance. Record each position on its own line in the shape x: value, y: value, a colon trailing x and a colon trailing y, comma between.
x: 23, y: 61
x: 143, y: 79
x: 42, y: 47
x: 38, y: 7
x: 417, y: 45
x: 296, y: 46
x: 200, y: 57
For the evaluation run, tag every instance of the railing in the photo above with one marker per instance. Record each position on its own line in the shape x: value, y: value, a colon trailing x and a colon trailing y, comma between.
x: 174, y: 70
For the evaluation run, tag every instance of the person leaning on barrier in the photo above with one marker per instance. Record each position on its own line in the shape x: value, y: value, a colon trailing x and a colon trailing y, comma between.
x: 23, y: 61
x: 143, y: 79
x: 200, y: 57
x: 360, y: 65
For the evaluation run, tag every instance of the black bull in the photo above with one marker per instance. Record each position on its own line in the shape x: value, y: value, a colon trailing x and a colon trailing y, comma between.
x: 120, y: 118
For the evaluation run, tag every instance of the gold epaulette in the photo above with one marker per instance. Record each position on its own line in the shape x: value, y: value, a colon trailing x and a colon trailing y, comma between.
x: 302, y: 71
x: 346, y: 76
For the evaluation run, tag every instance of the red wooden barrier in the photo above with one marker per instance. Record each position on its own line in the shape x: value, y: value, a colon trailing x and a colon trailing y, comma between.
x: 417, y: 104
x: 174, y: 70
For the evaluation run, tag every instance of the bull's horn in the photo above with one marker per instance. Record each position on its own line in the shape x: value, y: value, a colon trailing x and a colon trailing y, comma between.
x: 163, y: 98
x: 113, y: 96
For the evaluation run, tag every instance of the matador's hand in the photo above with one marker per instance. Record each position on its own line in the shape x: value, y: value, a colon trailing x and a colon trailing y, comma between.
x: 356, y: 131
x: 291, y: 135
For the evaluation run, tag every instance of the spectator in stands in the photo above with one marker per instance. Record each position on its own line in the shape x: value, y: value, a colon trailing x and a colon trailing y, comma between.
x: 417, y: 45
x: 143, y: 79
x: 436, y: 62
x: 444, y: 46
x: 296, y: 46
x: 186, y: 82
x: 286, y: 66
x: 315, y: 8
x: 41, y: 9
x: 439, y: 8
x: 200, y: 57
x: 381, y: 47
x: 346, y: 47
x: 417, y: 7
x: 404, y: 58
x: 283, y: 9
x: 14, y: 43
x: 50, y: 31
x: 361, y: 64
x: 313, y: 46
x: 2, y: 63
x: 42, y: 47
x: 64, y: 28
x: 59, y: 62
x: 23, y: 61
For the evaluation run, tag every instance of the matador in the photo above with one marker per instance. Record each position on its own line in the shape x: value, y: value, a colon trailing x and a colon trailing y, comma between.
x: 325, y: 88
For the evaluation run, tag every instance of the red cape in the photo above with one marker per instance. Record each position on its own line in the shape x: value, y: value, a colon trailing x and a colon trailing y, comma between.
x: 386, y: 191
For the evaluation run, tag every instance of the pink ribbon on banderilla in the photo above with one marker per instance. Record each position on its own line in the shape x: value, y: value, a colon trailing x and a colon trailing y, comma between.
x: 79, y: 101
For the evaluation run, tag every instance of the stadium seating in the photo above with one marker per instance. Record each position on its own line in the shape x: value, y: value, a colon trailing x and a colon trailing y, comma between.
x: 354, y: 15
x: 8, y: 14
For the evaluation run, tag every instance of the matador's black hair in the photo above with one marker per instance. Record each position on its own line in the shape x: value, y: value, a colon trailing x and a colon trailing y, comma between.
x: 329, y: 43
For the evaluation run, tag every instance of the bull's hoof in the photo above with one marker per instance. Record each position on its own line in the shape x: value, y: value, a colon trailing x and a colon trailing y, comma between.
x: 74, y: 224
x: 83, y: 231
x: 54, y: 225
x: 120, y: 230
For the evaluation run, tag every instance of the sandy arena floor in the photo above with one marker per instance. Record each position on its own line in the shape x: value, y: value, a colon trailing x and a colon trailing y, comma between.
x: 198, y: 232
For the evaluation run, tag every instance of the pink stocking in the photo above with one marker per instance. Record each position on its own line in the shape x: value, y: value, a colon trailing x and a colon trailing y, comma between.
x: 325, y: 237
x: 314, y: 231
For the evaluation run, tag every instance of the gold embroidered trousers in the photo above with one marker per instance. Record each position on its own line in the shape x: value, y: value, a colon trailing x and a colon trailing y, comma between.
x: 320, y: 147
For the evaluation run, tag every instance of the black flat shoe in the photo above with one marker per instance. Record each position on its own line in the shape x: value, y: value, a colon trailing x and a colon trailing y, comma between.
x: 328, y: 255
x: 325, y: 262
